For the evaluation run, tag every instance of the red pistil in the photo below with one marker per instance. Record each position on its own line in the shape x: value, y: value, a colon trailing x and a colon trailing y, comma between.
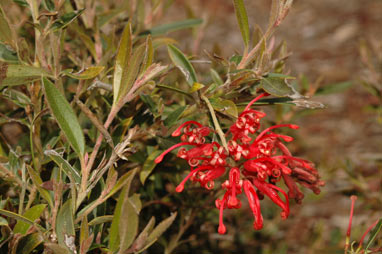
x: 366, y: 232
x: 160, y: 157
x: 221, y: 204
x: 177, y: 132
x: 248, y: 164
x: 353, y: 199
x: 180, y: 187
x: 292, y: 126
x: 271, y: 191
x: 254, y: 204
x: 234, y: 187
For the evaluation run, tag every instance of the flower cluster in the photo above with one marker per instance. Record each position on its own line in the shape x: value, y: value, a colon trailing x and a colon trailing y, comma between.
x: 255, y: 164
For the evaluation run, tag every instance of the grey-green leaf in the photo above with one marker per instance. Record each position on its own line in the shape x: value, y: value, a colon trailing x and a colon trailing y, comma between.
x: 71, y: 172
x: 226, y: 107
x: 65, y: 223
x: 101, y: 220
x: 114, y: 233
x: 122, y: 181
x: 128, y: 225
x: 148, y: 166
x: 16, y: 216
x: 174, y: 116
x: 14, y: 75
x: 17, y: 97
x: 373, y: 234
x: 183, y: 64
x: 276, y: 86
x: 88, y: 73
x: 166, y: 28
x: 216, y: 77
x: 158, y: 231
x: 65, y: 117
x: 122, y: 61
x: 66, y: 19
x: 32, y: 214
x: 57, y: 249
x: 242, y: 19
x: 28, y: 243
x: 7, y: 54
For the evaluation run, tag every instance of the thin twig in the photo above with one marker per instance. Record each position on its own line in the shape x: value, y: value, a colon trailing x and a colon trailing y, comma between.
x: 96, y: 122
x: 216, y: 123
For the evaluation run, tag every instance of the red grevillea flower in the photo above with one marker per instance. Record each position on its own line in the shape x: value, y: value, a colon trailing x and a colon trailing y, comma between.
x: 254, y: 163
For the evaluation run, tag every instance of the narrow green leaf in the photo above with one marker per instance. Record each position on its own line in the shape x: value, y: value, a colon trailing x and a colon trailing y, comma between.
x: 174, y: 89
x: 182, y: 63
x: 174, y: 116
x: 101, y: 220
x: 66, y: 19
x: 122, y: 61
x: 86, y: 39
x: 57, y: 249
x: 5, y: 29
x: 133, y: 70
x: 114, y: 237
x: 142, y: 237
x: 158, y: 231
x: 149, y: 53
x: 242, y: 20
x: 65, y: 117
x: 16, y: 216
x: 106, y: 17
x: 216, y: 77
x: 148, y: 166
x: 32, y: 214
x: 279, y: 75
x: 276, y: 86
x: 64, y: 164
x: 122, y: 181
x: 275, y: 9
x: 37, y: 182
x: 22, y: 3
x: 136, y: 202
x: 14, y: 75
x: 373, y: 234
x: 18, y: 98
x: 7, y: 54
x: 334, y: 88
x: 166, y: 28
x: 128, y: 225
x: 236, y: 59
x: 158, y: 42
x: 149, y: 103
x: 65, y: 223
x: 28, y: 243
x: 84, y: 231
x: 88, y: 73
x: 49, y: 5
x: 226, y: 107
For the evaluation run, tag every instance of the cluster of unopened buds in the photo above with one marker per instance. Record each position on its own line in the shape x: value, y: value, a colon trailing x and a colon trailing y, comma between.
x: 254, y: 163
